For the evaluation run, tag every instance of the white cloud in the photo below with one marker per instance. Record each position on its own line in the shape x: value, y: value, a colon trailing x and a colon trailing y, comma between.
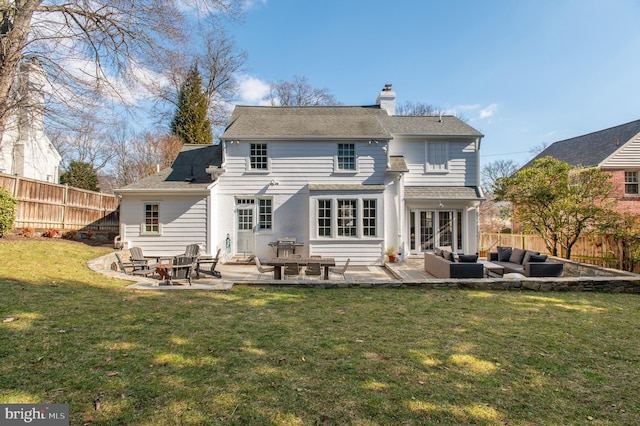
x: 489, y: 111
x: 252, y: 91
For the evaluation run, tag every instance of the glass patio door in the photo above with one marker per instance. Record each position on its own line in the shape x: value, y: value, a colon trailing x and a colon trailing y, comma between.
x: 430, y: 229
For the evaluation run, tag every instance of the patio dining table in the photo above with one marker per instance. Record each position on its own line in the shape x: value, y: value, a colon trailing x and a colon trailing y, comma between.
x: 279, y: 262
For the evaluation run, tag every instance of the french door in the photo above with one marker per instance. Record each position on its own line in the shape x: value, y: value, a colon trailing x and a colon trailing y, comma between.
x: 435, y: 228
x: 245, y: 222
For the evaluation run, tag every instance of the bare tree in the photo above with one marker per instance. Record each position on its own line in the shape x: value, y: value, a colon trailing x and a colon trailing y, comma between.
x: 219, y: 63
x: 299, y: 92
x: 141, y: 155
x: 424, y: 109
x: 493, y: 171
x: 96, y: 48
x: 537, y: 149
x: 86, y: 142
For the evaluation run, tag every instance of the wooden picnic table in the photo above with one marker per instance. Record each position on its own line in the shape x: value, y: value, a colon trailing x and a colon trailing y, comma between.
x: 279, y: 262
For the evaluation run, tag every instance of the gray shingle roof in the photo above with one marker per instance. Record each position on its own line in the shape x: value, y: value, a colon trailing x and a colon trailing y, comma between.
x: 442, y: 192
x: 591, y: 149
x: 337, y: 122
x: 186, y: 173
x: 397, y: 164
x: 446, y: 125
x: 284, y: 122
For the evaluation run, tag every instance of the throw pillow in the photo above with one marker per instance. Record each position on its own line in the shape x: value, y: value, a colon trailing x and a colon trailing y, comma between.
x: 504, y: 253
x: 516, y: 256
x: 468, y: 258
x: 447, y: 255
x: 538, y: 258
x: 438, y: 251
x: 528, y: 255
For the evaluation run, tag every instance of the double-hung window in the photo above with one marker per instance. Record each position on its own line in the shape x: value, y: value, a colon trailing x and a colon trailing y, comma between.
x: 324, y: 218
x: 369, y: 218
x: 631, y: 183
x: 437, y: 156
x: 258, y: 158
x: 265, y: 214
x: 151, y: 218
x: 346, y: 157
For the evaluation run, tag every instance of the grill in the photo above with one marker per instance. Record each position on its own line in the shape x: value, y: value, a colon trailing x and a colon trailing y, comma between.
x: 285, y: 246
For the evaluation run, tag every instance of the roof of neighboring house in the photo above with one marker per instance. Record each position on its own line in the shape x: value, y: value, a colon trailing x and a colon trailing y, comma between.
x: 443, y: 192
x: 188, y: 171
x: 591, y: 149
x: 363, y: 122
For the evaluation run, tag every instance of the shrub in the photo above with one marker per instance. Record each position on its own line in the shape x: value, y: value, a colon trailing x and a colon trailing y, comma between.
x: 27, y: 232
x: 52, y: 233
x: 7, y: 211
x: 70, y: 235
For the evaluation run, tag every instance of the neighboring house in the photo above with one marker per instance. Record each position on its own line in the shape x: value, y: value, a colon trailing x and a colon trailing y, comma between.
x: 343, y: 181
x: 615, y: 150
x: 25, y: 149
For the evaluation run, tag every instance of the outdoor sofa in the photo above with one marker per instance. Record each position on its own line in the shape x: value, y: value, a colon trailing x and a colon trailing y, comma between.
x: 443, y: 264
x: 526, y: 262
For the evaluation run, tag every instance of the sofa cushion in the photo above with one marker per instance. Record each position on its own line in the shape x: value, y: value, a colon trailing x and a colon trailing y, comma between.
x: 438, y: 251
x: 538, y: 258
x: 447, y: 255
x: 527, y: 255
x: 504, y: 253
x: 468, y: 258
x: 517, y: 255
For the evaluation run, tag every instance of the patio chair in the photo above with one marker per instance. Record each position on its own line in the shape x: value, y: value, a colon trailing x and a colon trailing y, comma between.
x: 192, y: 250
x: 137, y: 256
x: 203, y: 260
x: 291, y: 269
x: 263, y: 270
x: 340, y: 270
x: 182, y: 269
x: 313, y: 270
x: 130, y: 267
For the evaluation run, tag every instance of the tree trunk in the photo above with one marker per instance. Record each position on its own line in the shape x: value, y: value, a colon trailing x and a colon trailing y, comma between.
x: 15, y: 26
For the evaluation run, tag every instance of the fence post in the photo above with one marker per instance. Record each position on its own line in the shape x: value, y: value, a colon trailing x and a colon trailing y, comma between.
x: 64, y: 205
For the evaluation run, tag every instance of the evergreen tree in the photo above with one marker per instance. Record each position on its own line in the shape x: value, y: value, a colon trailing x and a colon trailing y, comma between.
x: 80, y: 175
x: 190, y: 122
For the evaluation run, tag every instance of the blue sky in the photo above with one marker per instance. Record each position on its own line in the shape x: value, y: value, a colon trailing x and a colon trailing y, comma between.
x: 522, y: 72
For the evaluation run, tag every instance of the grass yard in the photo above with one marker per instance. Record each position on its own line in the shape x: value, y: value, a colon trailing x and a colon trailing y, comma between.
x: 308, y: 357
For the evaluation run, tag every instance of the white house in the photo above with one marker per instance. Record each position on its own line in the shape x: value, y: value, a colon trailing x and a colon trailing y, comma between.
x: 342, y: 181
x: 25, y: 149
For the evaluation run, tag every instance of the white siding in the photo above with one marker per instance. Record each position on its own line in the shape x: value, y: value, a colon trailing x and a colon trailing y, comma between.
x: 293, y: 166
x: 183, y: 221
x: 628, y: 157
x: 296, y: 164
x: 462, y: 169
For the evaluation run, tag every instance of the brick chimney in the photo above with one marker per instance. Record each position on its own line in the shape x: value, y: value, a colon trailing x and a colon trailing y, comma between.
x: 387, y: 100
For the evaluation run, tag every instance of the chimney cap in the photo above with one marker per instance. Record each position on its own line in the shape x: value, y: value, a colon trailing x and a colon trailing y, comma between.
x: 387, y: 87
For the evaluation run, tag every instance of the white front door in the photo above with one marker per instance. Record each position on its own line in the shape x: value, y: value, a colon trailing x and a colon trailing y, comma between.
x: 244, y: 230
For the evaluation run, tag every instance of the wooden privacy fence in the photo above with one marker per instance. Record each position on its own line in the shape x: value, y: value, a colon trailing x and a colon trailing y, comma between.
x: 595, y: 250
x: 44, y: 205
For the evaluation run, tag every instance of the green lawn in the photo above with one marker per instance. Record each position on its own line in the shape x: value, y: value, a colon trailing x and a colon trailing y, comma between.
x: 314, y: 357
